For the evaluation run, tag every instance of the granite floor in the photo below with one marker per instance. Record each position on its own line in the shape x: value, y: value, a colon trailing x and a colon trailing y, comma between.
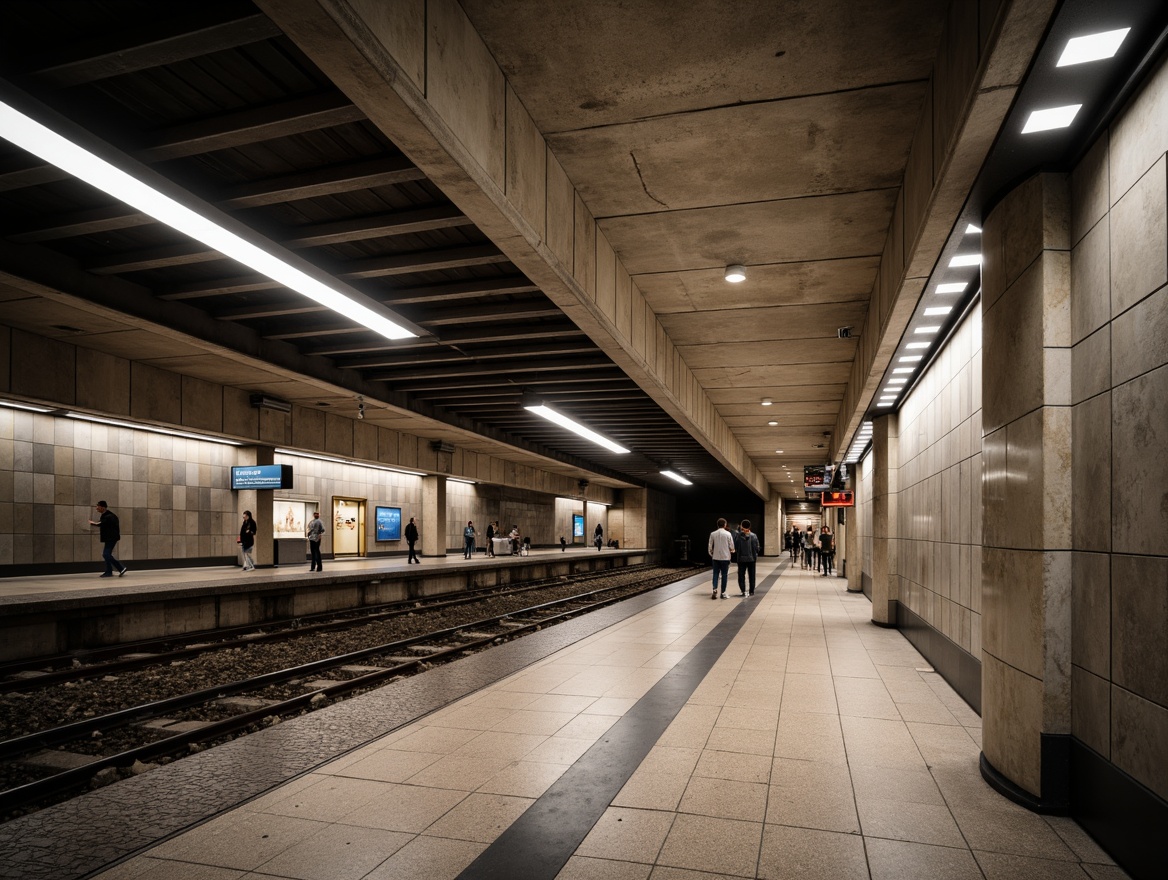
x: 816, y: 746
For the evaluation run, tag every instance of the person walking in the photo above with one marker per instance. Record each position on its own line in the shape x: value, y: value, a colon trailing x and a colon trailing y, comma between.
x: 826, y: 550
x: 468, y: 538
x: 563, y: 544
x: 490, y: 539
x: 746, y: 547
x: 598, y: 537
x: 247, y: 533
x: 109, y: 531
x: 796, y: 544
x: 721, y: 545
x: 808, y: 546
x: 314, y: 533
x: 411, y: 540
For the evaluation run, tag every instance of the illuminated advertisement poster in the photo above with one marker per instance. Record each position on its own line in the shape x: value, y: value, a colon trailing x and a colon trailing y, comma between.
x: 291, y: 518
x: 388, y: 523
x: 816, y: 477
x: 262, y: 476
x: 578, y: 525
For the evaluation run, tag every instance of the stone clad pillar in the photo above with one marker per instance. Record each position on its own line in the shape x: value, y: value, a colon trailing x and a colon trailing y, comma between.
x: 1026, y: 480
x: 636, y: 514
x: 853, y: 548
x: 433, y: 526
x: 260, y: 503
x: 885, y: 461
x: 772, y: 539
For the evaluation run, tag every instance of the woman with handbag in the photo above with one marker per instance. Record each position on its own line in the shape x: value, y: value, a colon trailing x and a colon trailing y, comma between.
x: 247, y: 533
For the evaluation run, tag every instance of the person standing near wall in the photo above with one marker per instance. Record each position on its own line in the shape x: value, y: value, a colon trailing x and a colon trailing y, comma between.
x: 721, y: 545
x: 747, y: 548
x: 314, y: 533
x: 809, y: 547
x: 490, y: 539
x: 468, y: 538
x: 411, y: 540
x: 110, y: 532
x: 247, y: 533
x: 598, y: 537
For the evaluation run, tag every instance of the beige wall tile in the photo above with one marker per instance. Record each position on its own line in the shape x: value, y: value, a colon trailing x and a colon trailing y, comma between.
x: 1012, y: 376
x: 1140, y: 338
x: 1139, y: 739
x: 1024, y: 511
x: 1139, y: 240
x: 1140, y: 465
x: 1091, y: 281
x: 1091, y: 710
x: 1139, y: 137
x: 1091, y: 481
x: 1091, y: 365
x: 465, y: 86
x: 1012, y: 722
x: 1139, y: 625
x: 1013, y: 608
x: 1089, y: 191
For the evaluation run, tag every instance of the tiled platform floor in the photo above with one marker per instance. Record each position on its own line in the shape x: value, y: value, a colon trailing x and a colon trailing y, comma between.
x: 816, y: 747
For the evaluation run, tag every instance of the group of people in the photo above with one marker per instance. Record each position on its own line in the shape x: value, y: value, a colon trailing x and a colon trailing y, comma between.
x: 742, y: 544
x: 815, y: 551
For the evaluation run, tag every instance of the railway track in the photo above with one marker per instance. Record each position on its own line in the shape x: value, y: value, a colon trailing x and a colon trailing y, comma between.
x: 103, y: 745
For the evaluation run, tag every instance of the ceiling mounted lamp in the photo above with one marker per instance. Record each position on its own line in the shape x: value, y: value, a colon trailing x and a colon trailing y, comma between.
x: 116, y: 174
x: 536, y: 406
x: 735, y: 273
x: 674, y: 475
x: 766, y: 401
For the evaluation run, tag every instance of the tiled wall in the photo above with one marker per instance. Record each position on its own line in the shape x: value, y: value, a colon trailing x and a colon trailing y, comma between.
x: 1119, y: 378
x: 939, y: 508
x: 863, y: 519
x: 171, y: 494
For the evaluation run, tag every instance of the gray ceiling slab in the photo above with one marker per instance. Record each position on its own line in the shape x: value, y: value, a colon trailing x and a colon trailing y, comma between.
x: 793, y: 230
x: 751, y: 325
x: 767, y: 377
x: 769, y: 353
x: 759, y: 152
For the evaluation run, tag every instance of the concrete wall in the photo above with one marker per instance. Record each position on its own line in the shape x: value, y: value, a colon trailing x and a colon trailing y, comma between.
x: 1119, y: 395
x: 863, y: 524
x: 939, y: 510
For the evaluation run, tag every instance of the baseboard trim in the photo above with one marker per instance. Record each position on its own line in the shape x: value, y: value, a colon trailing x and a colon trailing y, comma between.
x: 952, y: 662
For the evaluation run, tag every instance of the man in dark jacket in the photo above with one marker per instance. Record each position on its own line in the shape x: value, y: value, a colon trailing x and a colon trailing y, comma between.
x: 110, y: 533
x: 746, y: 547
x: 412, y: 539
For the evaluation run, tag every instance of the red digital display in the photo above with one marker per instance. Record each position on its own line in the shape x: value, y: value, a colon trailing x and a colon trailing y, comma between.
x: 838, y: 499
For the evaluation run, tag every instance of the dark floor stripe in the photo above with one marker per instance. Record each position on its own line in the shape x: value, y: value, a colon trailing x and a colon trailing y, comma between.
x: 542, y: 840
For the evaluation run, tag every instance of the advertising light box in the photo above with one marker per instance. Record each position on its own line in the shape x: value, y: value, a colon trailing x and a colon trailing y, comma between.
x: 388, y: 523
x: 837, y: 498
x: 261, y: 476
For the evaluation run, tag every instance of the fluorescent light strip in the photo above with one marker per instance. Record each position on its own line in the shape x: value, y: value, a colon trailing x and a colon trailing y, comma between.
x: 151, y: 429
x: 951, y: 287
x: 676, y: 476
x: 972, y: 230
x: 930, y: 329
x: 377, y: 467
x: 25, y: 406
x: 934, y: 311
x: 910, y: 358
x: 457, y: 480
x: 41, y: 141
x: 918, y: 345
x: 1050, y: 119
x: 904, y: 370
x: 965, y: 260
x: 1092, y: 47
x: 575, y: 427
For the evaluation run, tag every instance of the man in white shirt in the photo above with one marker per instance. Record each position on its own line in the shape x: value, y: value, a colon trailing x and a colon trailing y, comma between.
x: 721, y: 546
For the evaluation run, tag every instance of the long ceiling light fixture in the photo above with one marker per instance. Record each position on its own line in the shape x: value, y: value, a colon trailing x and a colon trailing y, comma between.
x: 84, y: 164
x: 674, y: 475
x: 537, y: 406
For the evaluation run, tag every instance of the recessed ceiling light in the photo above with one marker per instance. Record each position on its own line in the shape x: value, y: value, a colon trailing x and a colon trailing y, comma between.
x: 773, y: 424
x: 972, y: 230
x: 58, y: 150
x: 918, y: 345
x: 904, y: 370
x: 951, y: 287
x: 778, y: 452
x: 884, y: 404
x: 965, y: 260
x: 937, y: 310
x: 910, y: 358
x: 897, y: 380
x: 930, y: 329
x: 888, y: 397
x: 735, y: 273
x: 1051, y: 118
x: 1092, y: 47
x: 766, y: 401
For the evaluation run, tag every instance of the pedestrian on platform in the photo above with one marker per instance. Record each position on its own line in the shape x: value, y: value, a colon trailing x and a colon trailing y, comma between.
x: 247, y: 533
x: 411, y: 540
x: 826, y: 550
x: 468, y: 540
x: 490, y: 539
x: 809, y: 547
x: 110, y: 532
x: 563, y: 544
x: 796, y: 544
x: 721, y: 545
x: 314, y: 533
x: 746, y: 547
x: 598, y: 537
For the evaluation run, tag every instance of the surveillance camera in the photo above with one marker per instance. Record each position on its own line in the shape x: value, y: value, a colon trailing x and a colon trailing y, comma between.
x: 360, y: 410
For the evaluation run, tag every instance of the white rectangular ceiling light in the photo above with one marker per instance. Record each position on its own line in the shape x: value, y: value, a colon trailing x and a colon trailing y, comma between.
x: 673, y: 475
x: 931, y: 329
x: 952, y: 287
x: 972, y: 230
x: 41, y: 141
x: 937, y: 310
x: 575, y: 427
x: 910, y: 359
x: 904, y: 370
x: 1092, y: 47
x: 916, y: 346
x: 1050, y: 119
x: 965, y: 260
